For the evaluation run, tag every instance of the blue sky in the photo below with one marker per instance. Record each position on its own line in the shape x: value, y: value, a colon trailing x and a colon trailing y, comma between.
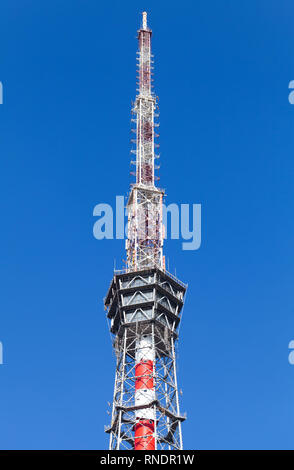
x: 227, y: 142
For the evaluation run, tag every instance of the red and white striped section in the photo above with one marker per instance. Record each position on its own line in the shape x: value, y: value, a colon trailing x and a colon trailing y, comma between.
x: 144, y: 394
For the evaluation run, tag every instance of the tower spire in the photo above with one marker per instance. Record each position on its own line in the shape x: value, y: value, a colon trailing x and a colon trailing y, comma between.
x: 145, y: 230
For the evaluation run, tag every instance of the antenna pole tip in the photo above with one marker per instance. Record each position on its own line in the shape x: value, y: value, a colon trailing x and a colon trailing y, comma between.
x: 144, y: 23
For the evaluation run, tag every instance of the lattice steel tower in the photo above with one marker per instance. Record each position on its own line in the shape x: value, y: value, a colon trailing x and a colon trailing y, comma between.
x: 144, y: 301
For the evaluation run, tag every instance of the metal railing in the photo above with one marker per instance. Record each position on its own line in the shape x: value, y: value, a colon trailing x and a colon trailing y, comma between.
x: 164, y: 271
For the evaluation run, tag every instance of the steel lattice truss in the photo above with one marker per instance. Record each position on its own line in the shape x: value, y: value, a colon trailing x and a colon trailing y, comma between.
x: 166, y: 407
x: 145, y: 236
x: 145, y: 233
x: 144, y: 112
x: 145, y: 303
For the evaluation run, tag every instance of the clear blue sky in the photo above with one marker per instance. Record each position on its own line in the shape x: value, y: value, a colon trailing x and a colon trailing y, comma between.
x: 227, y: 142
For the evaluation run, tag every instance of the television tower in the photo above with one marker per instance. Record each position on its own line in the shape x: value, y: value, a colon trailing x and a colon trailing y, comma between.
x: 144, y: 301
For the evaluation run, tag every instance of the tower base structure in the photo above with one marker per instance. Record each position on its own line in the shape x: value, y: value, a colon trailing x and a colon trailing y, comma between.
x: 144, y: 309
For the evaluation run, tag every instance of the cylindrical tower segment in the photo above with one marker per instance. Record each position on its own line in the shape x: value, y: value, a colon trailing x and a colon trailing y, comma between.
x: 144, y: 394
